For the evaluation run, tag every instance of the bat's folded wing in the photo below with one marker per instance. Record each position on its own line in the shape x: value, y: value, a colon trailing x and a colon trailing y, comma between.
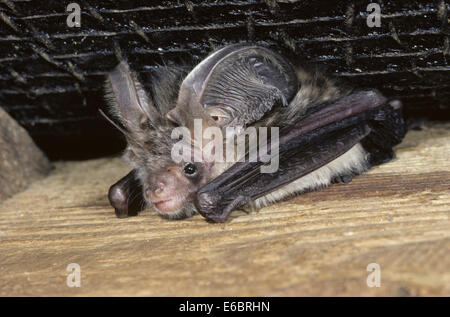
x: 126, y: 196
x: 320, y: 136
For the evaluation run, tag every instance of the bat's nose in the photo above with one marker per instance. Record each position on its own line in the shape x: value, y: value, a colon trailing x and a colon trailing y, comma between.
x: 159, y: 189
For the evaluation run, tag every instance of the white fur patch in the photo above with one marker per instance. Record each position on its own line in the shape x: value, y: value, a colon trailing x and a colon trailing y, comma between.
x: 354, y: 160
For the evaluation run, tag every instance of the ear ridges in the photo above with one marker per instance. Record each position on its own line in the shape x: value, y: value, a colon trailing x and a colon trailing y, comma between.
x: 243, y: 80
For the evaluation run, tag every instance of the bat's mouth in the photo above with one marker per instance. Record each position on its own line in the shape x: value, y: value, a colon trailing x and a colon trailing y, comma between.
x: 169, y: 205
x: 166, y: 205
x: 167, y: 209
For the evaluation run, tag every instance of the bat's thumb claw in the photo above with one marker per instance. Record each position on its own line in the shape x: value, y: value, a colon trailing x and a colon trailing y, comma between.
x: 396, y: 104
x: 206, y: 203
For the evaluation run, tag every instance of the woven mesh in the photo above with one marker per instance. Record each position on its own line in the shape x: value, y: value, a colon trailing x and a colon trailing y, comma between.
x: 51, y: 75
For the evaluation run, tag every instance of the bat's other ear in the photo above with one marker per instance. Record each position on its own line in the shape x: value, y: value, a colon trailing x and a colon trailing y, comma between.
x: 236, y: 85
x: 128, y: 99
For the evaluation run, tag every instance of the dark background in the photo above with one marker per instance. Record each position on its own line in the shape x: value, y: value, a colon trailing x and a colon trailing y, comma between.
x: 51, y: 75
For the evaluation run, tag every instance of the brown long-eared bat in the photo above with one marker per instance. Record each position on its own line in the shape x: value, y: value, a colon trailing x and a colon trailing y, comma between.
x: 327, y: 133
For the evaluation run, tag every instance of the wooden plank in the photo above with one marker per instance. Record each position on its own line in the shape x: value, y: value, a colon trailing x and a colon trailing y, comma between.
x: 320, y: 243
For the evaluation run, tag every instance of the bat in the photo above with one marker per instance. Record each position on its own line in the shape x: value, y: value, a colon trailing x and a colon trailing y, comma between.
x: 329, y: 133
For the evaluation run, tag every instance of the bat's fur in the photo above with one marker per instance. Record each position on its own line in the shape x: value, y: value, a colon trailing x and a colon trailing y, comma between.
x: 352, y: 162
x: 150, y: 145
x: 315, y: 88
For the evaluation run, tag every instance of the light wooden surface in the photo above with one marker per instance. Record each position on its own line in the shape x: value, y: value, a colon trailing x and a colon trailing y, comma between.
x: 320, y: 243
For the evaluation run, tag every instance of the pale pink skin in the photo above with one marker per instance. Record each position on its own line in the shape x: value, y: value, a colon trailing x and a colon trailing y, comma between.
x: 171, y: 192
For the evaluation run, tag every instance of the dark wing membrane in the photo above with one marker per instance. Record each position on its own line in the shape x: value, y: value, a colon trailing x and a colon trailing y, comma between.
x: 295, y: 162
x: 315, y: 140
x: 126, y: 196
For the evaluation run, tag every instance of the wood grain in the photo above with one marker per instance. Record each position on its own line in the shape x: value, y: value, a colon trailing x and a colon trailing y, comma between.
x: 320, y: 243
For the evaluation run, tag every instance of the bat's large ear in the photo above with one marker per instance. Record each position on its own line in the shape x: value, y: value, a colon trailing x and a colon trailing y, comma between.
x: 236, y: 85
x: 128, y: 99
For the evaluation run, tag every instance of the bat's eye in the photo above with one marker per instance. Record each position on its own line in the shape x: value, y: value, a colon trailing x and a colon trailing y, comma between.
x: 220, y: 120
x: 218, y: 115
x: 190, y: 170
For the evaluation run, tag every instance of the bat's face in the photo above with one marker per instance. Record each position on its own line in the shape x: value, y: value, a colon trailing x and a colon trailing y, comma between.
x: 171, y: 190
x: 169, y: 183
